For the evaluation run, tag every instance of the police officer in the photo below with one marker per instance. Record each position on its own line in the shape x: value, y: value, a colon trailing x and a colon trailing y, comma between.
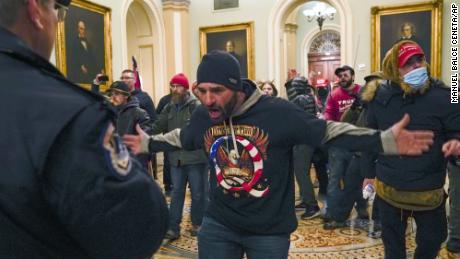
x: 68, y: 188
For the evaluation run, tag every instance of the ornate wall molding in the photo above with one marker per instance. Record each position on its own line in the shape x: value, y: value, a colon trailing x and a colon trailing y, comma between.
x: 176, y: 4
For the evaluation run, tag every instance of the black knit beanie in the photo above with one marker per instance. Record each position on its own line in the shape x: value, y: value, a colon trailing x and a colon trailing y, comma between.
x: 220, y: 67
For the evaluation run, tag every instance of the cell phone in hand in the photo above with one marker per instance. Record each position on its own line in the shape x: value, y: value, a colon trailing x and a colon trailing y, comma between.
x: 103, y: 78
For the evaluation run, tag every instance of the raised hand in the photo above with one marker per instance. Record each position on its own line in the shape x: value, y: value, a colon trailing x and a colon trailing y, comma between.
x: 411, y: 142
x: 292, y: 73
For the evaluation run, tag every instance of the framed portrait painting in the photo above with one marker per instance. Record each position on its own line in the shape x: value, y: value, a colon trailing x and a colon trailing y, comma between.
x: 83, y: 46
x: 237, y: 39
x: 419, y: 22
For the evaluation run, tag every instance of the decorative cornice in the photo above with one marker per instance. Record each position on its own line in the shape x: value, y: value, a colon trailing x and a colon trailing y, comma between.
x: 176, y: 4
x: 290, y: 27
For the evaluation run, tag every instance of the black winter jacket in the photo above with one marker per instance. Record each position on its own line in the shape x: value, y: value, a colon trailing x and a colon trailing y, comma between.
x: 162, y: 103
x: 68, y: 188
x: 131, y: 114
x: 429, y: 111
x: 146, y: 103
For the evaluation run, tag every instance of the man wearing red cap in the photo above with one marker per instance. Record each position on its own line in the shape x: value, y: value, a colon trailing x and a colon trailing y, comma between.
x: 413, y: 186
x: 186, y: 166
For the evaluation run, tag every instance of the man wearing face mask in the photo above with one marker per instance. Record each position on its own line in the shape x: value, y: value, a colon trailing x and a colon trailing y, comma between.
x: 413, y: 186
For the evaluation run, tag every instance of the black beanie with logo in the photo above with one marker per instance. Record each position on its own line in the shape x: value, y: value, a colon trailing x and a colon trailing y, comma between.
x: 220, y: 67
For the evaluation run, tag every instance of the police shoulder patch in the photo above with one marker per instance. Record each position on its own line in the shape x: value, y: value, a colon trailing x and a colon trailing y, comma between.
x: 117, y: 154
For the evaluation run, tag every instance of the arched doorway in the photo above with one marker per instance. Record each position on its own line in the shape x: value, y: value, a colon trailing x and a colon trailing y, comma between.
x: 144, y: 39
x: 276, y: 47
x: 324, y: 55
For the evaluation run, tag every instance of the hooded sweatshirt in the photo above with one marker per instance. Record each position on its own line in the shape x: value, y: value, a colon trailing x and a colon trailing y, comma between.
x: 251, y: 159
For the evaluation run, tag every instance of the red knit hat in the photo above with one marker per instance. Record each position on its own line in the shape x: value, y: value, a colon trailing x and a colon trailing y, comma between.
x: 406, y: 51
x: 179, y: 79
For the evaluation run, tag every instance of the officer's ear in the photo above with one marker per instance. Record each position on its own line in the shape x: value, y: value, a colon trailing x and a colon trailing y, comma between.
x: 35, y: 13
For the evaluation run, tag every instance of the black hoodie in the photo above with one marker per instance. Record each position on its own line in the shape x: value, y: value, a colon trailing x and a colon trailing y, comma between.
x: 254, y: 190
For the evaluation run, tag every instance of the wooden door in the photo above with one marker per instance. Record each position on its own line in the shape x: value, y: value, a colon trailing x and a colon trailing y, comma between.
x: 323, y: 66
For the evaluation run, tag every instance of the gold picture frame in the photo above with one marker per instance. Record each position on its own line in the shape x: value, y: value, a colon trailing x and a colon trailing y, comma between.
x: 390, y: 22
x: 241, y: 35
x: 83, y: 45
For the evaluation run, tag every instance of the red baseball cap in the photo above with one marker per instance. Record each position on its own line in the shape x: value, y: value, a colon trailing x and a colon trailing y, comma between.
x: 321, y: 82
x: 179, y: 79
x: 406, y: 51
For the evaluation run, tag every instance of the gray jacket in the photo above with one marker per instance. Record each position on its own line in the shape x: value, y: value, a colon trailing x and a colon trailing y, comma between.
x: 177, y: 116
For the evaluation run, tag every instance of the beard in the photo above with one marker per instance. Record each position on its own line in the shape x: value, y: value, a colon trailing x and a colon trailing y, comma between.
x: 177, y: 98
x: 226, y: 110
x: 346, y: 84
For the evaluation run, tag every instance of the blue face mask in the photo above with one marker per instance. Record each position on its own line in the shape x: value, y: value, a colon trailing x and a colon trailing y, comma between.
x: 416, y: 78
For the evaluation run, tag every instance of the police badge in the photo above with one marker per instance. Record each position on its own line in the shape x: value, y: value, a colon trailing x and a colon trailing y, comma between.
x: 116, y: 153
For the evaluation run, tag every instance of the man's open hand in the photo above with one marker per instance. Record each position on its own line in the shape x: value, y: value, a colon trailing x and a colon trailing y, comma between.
x: 134, y: 142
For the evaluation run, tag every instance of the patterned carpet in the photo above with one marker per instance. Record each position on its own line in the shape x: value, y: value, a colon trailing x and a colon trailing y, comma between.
x: 310, y: 240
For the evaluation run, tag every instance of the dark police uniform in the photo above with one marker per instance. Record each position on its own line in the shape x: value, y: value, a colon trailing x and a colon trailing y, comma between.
x: 68, y: 188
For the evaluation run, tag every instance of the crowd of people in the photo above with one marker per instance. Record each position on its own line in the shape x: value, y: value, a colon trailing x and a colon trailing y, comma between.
x: 75, y: 182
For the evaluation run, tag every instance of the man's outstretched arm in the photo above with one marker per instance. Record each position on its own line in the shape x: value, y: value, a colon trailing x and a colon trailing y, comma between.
x: 144, y: 144
x: 394, y: 141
